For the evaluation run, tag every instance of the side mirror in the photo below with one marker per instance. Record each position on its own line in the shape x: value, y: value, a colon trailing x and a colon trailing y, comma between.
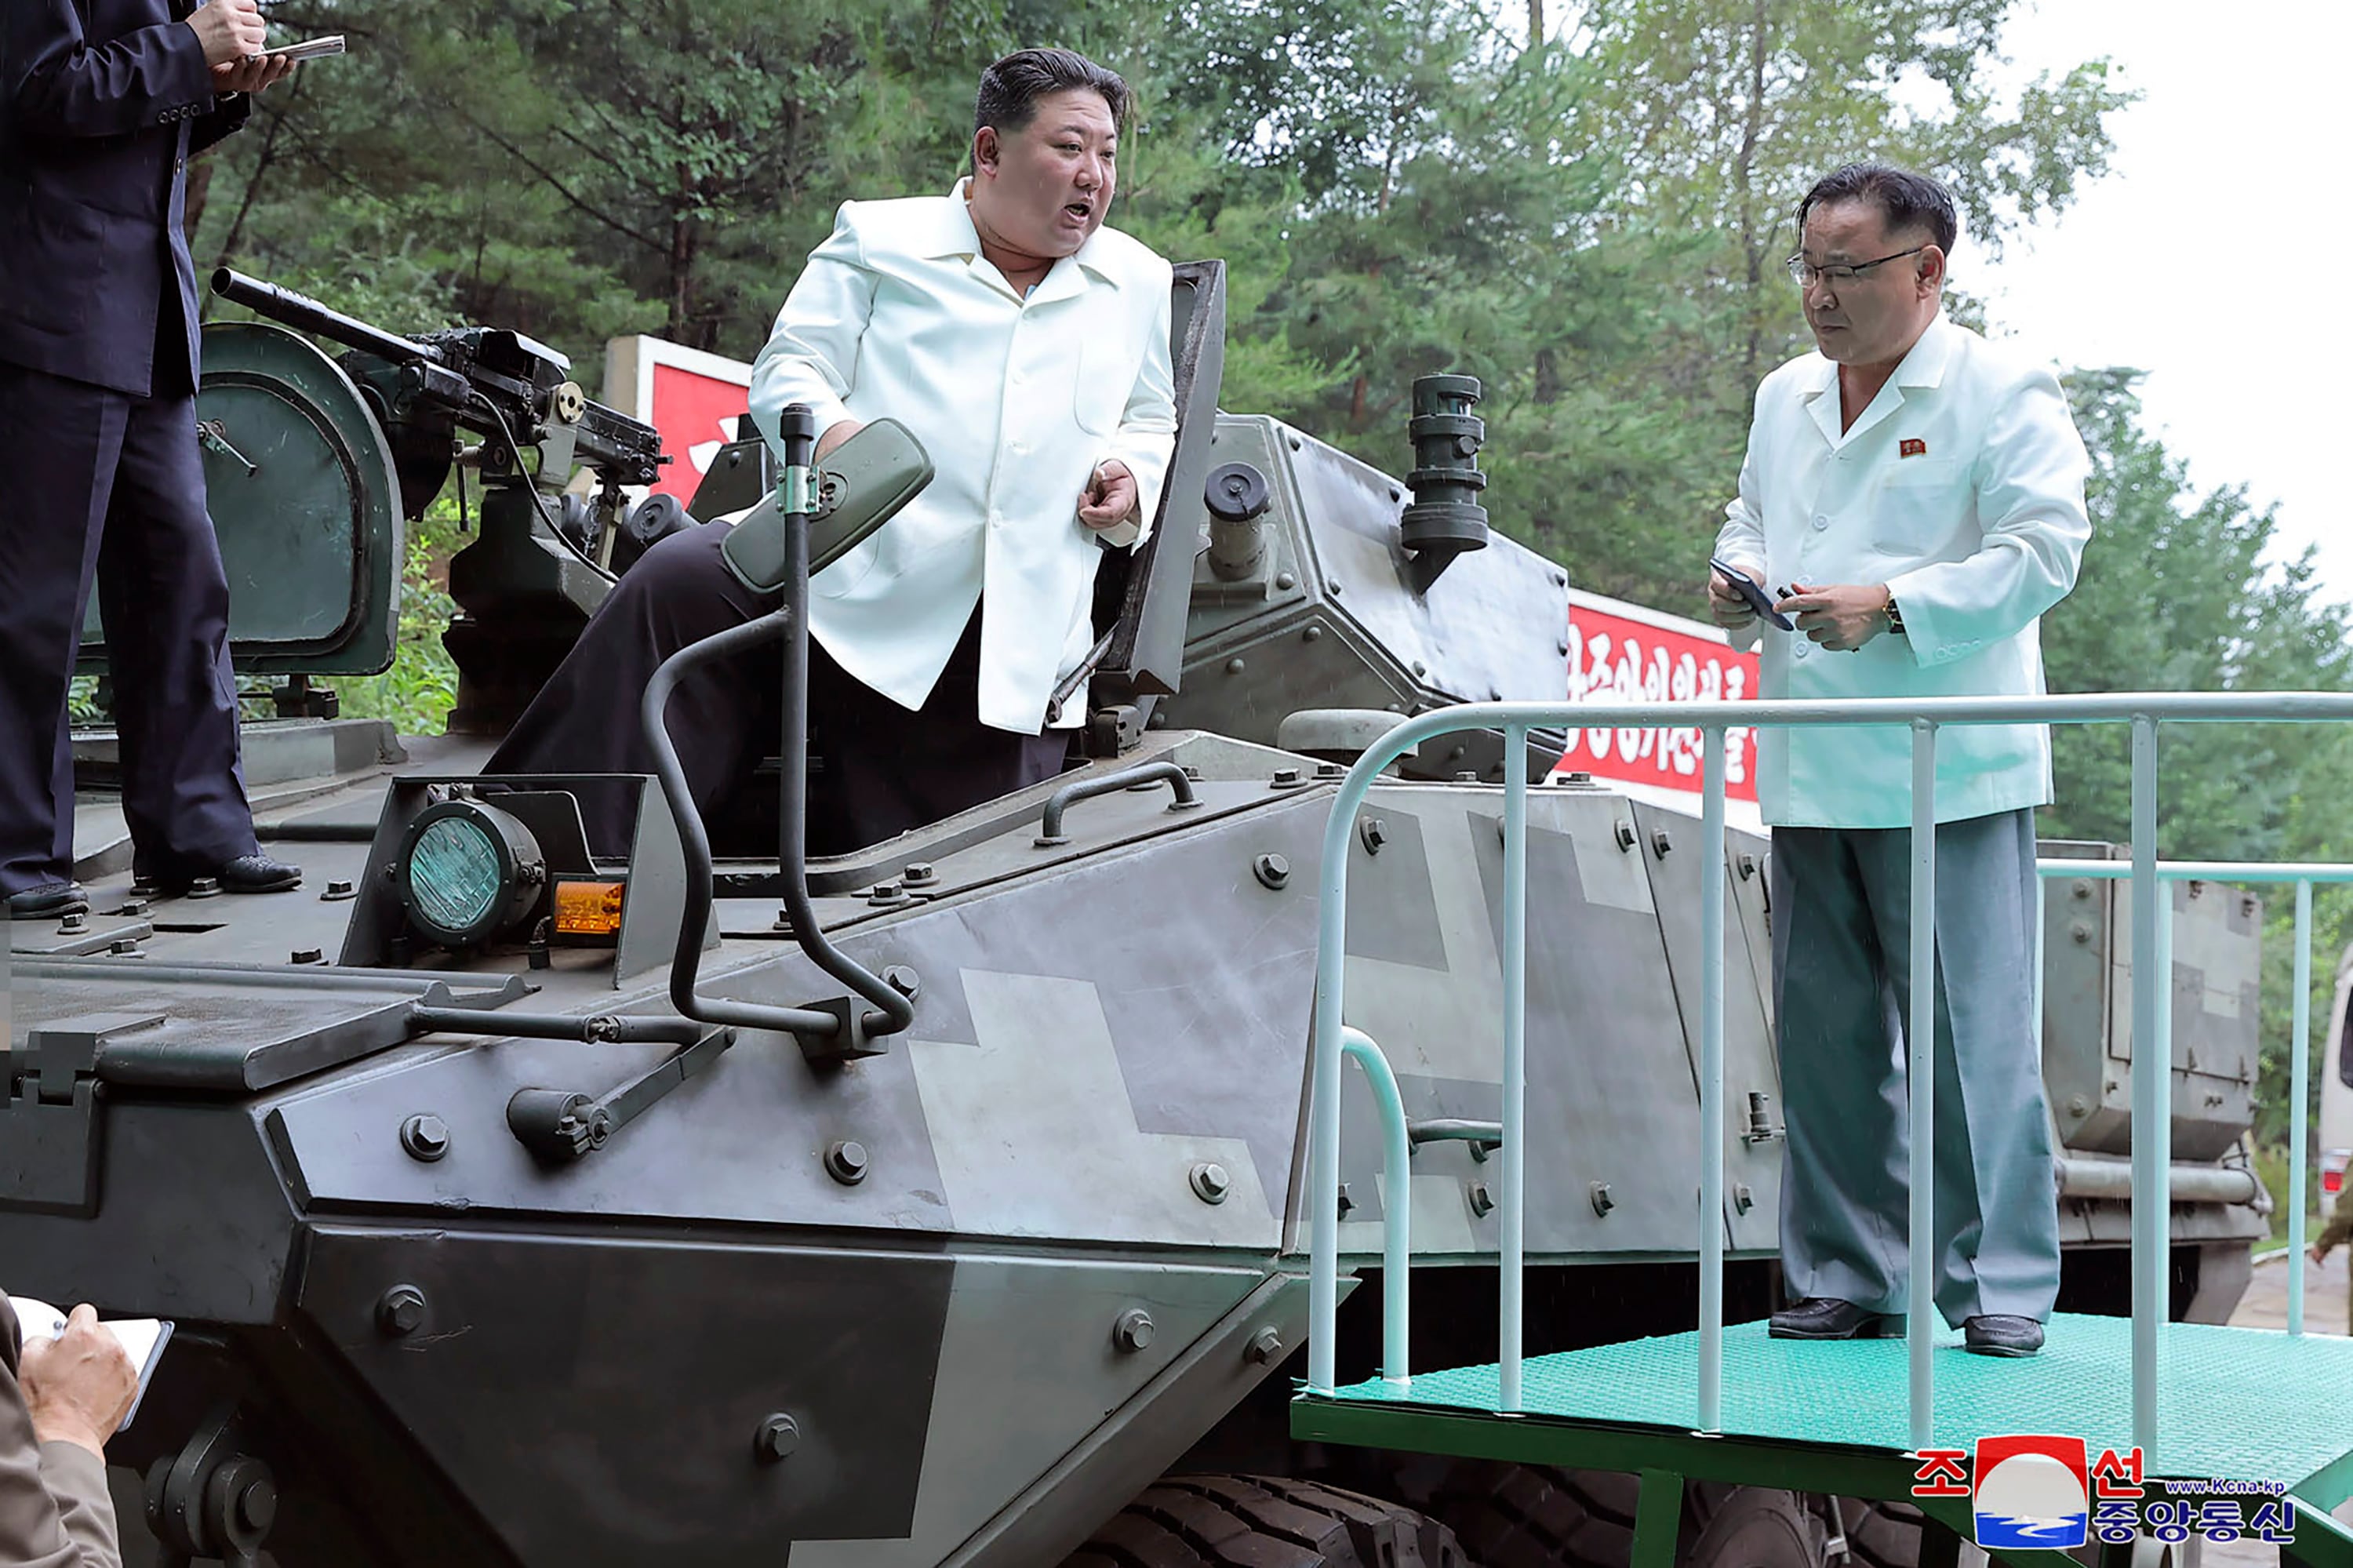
x: 862, y: 484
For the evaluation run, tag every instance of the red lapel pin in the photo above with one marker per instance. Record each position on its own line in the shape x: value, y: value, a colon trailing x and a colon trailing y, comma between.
x: 1911, y: 447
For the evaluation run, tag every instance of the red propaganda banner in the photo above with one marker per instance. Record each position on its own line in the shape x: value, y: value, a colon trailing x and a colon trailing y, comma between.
x: 693, y: 398
x: 1623, y: 653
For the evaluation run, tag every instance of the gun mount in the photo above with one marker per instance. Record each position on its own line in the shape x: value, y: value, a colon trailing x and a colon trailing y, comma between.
x: 513, y: 390
x: 543, y: 561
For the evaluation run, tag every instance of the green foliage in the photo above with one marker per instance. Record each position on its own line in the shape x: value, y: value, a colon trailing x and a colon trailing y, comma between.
x: 1173, y: 198
x: 2271, y: 1170
x: 2173, y: 597
x: 1594, y: 228
x: 1396, y: 187
x: 1727, y: 111
x: 417, y: 693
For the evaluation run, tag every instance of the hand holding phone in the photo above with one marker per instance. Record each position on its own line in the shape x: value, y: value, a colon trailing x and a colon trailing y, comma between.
x: 1754, y: 593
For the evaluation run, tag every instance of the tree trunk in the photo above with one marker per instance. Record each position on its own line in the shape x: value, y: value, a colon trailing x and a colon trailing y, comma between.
x: 1388, y: 194
x: 200, y: 185
x: 261, y: 163
x: 1390, y: 159
x: 681, y: 271
x: 1751, y: 242
x: 1536, y: 25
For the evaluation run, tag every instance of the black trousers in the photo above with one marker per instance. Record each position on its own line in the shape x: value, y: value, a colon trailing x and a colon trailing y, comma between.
x: 885, y: 769
x: 110, y: 488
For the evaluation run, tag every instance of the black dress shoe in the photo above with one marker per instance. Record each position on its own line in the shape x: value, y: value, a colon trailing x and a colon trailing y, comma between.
x: 49, y: 901
x: 247, y: 873
x: 1999, y: 1334
x: 1828, y: 1317
x: 258, y: 874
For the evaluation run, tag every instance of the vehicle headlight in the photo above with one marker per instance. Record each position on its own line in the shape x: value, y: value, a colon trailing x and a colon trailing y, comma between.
x: 467, y: 872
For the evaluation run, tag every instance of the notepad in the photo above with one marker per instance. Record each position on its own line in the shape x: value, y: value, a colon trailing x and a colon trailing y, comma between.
x: 308, y: 49
x: 142, y: 1339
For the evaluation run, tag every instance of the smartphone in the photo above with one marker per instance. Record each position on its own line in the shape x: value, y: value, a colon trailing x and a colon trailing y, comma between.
x: 1750, y: 590
x: 308, y: 49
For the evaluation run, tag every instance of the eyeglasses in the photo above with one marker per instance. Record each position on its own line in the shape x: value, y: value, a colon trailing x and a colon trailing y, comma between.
x: 1804, y: 273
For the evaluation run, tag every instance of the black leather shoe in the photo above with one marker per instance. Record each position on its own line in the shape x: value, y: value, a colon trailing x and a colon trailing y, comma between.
x: 1999, y: 1334
x: 247, y: 873
x: 1828, y: 1317
x: 49, y: 901
x: 258, y: 874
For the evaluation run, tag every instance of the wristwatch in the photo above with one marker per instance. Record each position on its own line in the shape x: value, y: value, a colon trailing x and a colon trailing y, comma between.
x: 1894, y: 616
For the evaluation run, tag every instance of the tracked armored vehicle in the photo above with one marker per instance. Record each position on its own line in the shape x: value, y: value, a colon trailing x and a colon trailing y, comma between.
x: 522, y: 1204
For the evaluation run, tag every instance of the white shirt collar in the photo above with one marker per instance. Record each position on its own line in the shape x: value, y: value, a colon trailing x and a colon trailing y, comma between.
x: 957, y: 236
x: 1923, y: 363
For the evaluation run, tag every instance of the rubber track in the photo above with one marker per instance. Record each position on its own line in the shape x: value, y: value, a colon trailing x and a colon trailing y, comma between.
x: 1791, y: 1532
x: 1265, y: 1521
x: 1881, y: 1535
x: 1536, y: 1516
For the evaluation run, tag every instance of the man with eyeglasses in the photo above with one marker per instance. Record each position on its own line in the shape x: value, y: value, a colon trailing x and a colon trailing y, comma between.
x: 1915, y: 495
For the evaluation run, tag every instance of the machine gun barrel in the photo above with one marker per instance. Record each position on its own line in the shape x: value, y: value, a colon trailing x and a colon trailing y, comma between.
x: 301, y: 310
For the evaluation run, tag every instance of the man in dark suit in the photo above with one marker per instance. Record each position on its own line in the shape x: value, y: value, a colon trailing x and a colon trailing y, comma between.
x: 105, y: 100
x: 59, y: 1400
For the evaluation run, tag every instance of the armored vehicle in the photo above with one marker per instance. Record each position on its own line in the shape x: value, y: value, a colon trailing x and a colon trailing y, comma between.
x: 521, y: 1201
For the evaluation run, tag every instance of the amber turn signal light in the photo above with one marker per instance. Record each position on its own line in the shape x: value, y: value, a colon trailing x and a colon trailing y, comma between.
x: 591, y: 909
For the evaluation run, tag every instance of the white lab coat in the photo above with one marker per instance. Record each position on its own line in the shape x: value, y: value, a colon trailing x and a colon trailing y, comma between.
x: 1961, y: 487
x: 1016, y: 400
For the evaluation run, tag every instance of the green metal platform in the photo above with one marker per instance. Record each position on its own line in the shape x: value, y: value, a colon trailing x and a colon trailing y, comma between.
x: 2235, y: 1405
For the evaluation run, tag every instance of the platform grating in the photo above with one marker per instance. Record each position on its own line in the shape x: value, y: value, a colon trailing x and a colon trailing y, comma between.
x: 2235, y: 1403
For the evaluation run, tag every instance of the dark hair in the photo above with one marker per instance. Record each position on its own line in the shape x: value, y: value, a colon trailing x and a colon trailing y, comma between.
x: 1904, y: 199
x: 1010, y: 89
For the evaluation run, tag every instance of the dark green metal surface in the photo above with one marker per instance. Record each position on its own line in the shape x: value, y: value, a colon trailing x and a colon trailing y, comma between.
x: 1658, y: 1510
x: 311, y: 533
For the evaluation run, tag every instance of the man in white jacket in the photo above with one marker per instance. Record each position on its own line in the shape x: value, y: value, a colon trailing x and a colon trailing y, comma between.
x: 1918, y: 493
x: 1026, y: 346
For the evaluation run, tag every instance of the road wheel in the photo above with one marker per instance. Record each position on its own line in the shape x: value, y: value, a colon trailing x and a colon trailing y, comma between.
x: 1537, y: 1516
x: 1756, y: 1527
x: 1263, y: 1521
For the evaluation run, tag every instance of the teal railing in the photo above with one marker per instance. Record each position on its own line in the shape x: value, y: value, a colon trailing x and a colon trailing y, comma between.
x: 2152, y: 1035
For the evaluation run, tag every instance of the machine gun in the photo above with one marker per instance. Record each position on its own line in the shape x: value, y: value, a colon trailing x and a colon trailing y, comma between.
x: 542, y: 562
x: 510, y: 389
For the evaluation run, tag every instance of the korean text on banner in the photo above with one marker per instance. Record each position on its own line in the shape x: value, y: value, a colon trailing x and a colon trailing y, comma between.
x: 1623, y: 653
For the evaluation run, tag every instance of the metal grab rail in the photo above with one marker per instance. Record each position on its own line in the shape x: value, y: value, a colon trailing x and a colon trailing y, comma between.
x: 2152, y: 1128
x: 1397, y: 1202
x: 1050, y: 823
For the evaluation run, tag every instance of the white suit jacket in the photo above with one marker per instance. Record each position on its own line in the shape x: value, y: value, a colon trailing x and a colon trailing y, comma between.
x: 1016, y: 400
x: 1961, y: 488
